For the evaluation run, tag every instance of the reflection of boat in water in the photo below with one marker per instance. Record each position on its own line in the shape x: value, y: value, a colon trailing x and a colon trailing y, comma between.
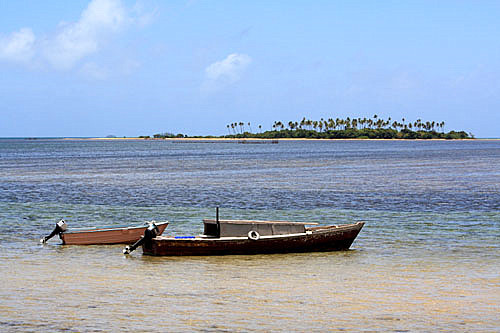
x: 222, y: 237
x: 102, y: 235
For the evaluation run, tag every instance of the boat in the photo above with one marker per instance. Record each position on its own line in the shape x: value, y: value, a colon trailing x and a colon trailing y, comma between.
x: 227, y: 237
x: 103, y: 235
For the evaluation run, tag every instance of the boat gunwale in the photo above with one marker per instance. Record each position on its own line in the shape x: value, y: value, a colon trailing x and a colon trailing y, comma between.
x: 308, y: 232
x: 110, y: 228
x: 229, y: 238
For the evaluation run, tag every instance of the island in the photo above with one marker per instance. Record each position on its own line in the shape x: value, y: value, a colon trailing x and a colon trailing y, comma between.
x: 348, y: 128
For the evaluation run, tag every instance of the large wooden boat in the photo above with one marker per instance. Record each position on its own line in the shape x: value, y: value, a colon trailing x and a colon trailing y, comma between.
x: 224, y: 237
x: 103, y: 235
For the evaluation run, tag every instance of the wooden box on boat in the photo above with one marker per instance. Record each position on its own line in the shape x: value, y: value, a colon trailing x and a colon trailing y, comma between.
x: 238, y: 228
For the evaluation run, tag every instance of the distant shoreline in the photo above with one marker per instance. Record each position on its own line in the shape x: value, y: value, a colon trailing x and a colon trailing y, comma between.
x: 213, y: 139
x: 266, y: 140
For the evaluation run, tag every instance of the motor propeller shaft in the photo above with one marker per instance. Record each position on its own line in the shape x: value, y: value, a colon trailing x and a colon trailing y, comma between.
x: 150, y: 233
x: 60, y: 228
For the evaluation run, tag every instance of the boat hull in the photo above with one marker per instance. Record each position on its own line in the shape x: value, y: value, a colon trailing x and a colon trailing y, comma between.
x: 318, y: 239
x: 101, y: 236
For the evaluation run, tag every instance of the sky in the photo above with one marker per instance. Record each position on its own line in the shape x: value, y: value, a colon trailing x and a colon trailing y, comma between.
x: 128, y: 68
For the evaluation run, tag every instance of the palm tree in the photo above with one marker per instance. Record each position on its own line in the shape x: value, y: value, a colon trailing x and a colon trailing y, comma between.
x: 331, y: 123
x: 277, y: 125
x: 303, y: 122
x: 249, y: 127
x: 347, y: 123
x: 228, y: 129
x: 418, y: 124
x: 354, y: 123
x: 315, y: 124
x: 260, y: 128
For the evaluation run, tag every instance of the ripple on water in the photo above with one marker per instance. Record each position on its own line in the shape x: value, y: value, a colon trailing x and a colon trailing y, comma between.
x: 427, y: 259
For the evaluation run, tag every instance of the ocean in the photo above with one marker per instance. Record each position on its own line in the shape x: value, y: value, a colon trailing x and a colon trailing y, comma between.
x: 427, y: 259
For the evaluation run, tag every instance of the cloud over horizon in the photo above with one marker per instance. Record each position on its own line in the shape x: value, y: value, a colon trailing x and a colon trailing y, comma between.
x: 225, y: 72
x: 76, y: 40
x: 73, y: 41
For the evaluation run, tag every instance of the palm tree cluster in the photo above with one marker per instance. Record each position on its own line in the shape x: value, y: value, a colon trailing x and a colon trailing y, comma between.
x: 324, y: 125
x: 375, y: 127
x: 239, y: 128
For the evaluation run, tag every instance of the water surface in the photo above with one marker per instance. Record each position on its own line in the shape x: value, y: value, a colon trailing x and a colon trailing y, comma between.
x: 427, y: 259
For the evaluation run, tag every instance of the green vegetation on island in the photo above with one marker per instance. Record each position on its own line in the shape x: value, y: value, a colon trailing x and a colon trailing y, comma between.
x: 355, y: 128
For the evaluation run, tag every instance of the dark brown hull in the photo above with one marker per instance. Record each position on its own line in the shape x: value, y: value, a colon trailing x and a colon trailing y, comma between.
x: 318, y: 239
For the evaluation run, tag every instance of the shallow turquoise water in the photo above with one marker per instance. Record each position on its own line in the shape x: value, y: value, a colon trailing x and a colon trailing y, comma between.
x: 427, y: 259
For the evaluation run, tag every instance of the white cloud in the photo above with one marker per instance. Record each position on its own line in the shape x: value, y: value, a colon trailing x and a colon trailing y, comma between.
x: 225, y: 72
x: 75, y: 41
x: 19, y: 46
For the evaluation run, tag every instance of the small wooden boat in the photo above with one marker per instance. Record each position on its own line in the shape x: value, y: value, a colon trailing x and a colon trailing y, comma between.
x: 224, y: 237
x: 102, y: 235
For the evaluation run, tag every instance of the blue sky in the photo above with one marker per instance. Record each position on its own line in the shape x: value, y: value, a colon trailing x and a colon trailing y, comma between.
x: 128, y: 68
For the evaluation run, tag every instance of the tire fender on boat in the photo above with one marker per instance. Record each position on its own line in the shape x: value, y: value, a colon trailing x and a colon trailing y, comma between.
x: 253, y: 235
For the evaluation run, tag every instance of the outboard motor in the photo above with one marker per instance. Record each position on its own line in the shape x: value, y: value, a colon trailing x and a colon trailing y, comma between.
x: 60, y: 228
x: 150, y: 233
